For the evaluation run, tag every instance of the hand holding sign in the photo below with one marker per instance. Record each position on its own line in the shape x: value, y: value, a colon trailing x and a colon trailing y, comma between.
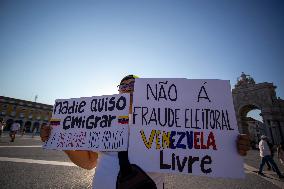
x: 90, y: 123
x: 45, y: 132
x: 243, y: 144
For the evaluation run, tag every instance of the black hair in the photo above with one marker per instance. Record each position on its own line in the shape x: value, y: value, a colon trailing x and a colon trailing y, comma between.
x: 282, y: 145
x: 128, y: 77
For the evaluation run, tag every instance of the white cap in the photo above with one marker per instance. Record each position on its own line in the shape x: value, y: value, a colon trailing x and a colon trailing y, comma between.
x: 263, y: 137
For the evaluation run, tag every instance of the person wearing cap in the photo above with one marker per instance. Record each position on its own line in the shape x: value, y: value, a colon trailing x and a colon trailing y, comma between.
x: 265, y: 154
x: 107, y: 163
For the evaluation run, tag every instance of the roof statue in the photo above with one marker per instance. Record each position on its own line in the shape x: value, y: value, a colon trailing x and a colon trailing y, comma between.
x: 244, y: 80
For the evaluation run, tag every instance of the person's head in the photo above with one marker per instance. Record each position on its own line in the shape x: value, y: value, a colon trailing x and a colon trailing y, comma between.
x: 263, y: 137
x: 282, y: 145
x: 127, y: 86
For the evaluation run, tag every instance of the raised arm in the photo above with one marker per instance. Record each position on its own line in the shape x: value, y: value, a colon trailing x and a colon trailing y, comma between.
x: 84, y: 159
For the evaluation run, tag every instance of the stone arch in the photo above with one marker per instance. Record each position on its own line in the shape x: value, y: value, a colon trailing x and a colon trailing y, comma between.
x: 20, y: 122
x: 248, y: 95
x: 250, y: 126
x: 243, y: 111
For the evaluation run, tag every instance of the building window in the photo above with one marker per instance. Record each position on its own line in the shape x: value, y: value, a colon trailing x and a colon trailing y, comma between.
x: 31, y: 114
x: 13, y: 113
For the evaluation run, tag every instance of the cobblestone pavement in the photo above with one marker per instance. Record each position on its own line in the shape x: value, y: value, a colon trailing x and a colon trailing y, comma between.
x: 24, y: 164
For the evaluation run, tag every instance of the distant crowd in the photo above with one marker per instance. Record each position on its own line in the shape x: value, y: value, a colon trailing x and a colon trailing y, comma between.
x: 16, y: 128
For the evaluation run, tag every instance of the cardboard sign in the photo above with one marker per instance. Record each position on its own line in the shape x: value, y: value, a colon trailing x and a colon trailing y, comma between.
x: 98, y: 123
x: 185, y: 126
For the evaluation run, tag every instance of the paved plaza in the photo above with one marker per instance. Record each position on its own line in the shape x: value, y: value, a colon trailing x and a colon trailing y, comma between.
x: 24, y: 164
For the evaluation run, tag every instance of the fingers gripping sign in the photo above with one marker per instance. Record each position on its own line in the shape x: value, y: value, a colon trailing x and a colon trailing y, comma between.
x: 243, y: 144
x: 45, y: 132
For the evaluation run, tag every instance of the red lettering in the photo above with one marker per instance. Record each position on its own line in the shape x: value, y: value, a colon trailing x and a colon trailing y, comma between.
x: 196, y: 140
x: 202, y: 142
x: 211, y: 141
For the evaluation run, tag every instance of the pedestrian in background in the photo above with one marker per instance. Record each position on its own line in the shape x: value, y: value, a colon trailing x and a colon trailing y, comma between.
x: 2, y: 125
x: 265, y: 154
x: 13, y: 130
x: 35, y: 130
x: 24, y: 130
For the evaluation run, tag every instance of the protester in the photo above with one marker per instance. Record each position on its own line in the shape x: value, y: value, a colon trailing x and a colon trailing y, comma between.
x: 280, y: 153
x: 107, y: 163
x: 265, y: 155
x: 13, y: 130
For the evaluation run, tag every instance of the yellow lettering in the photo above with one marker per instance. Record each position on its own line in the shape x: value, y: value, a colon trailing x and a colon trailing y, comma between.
x: 149, y: 143
x: 158, y: 146
x: 166, y: 139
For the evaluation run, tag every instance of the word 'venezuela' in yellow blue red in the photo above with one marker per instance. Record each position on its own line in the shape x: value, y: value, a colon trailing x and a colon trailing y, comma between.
x: 175, y: 139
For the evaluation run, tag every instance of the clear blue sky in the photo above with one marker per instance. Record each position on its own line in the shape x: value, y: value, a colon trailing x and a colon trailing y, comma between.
x: 63, y: 49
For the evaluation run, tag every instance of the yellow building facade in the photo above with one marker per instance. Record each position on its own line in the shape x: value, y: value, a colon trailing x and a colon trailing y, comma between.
x: 30, y: 115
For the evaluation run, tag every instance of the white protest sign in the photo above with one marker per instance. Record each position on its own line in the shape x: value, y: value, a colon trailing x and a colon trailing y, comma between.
x: 184, y: 126
x: 98, y: 123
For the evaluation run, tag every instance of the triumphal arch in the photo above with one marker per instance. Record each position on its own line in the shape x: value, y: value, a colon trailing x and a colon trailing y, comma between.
x: 248, y: 95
